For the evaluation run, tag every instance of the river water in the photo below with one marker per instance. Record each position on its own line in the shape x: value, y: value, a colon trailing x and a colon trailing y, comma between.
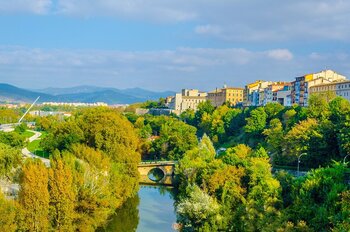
x: 151, y: 210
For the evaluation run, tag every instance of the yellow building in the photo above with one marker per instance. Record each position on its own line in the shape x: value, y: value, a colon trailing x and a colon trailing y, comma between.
x: 227, y: 94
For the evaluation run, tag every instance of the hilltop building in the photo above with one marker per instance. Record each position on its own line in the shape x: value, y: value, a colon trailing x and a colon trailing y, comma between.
x: 331, y: 90
x: 254, y: 93
x: 343, y: 89
x: 301, y: 86
x: 230, y: 95
x: 277, y: 92
x: 187, y: 99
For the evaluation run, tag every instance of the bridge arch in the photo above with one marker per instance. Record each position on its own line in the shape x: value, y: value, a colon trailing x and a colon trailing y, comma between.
x: 156, y: 174
x: 167, y: 167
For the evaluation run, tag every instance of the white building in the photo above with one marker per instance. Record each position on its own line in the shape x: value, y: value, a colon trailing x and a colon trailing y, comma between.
x: 187, y: 99
x: 342, y: 89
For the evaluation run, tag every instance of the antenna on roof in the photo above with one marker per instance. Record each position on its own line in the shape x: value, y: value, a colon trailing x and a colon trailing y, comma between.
x: 20, y: 120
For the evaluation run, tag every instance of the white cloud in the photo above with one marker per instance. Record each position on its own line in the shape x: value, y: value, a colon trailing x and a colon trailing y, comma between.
x: 230, y: 20
x: 24, y: 6
x: 153, y: 10
x: 203, y: 68
x: 208, y: 29
x: 280, y: 54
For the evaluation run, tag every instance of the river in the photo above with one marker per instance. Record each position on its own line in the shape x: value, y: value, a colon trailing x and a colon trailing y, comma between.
x: 151, y: 210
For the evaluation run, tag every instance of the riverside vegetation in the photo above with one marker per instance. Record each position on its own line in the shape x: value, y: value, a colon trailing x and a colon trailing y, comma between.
x: 94, y: 156
x: 93, y: 171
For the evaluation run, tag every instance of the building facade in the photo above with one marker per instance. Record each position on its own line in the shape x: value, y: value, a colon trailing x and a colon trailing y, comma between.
x: 342, y: 89
x: 301, y: 86
x: 230, y: 95
x: 254, y: 94
x: 328, y: 90
x: 187, y: 99
x: 272, y: 90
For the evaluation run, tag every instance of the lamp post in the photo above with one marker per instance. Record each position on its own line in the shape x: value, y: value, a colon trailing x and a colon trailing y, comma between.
x: 345, y: 158
x: 299, y: 161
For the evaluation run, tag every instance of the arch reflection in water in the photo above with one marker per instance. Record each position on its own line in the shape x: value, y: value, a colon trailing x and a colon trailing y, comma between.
x: 151, y: 210
x: 156, y: 174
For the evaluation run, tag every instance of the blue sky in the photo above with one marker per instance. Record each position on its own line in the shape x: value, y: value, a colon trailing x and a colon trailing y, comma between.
x: 168, y: 44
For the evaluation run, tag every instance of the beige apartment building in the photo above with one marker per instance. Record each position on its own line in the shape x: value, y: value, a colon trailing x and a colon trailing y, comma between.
x: 333, y: 89
x: 328, y: 89
x: 187, y: 99
x: 231, y: 95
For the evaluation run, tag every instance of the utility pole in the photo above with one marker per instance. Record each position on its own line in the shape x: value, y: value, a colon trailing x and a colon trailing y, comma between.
x: 20, y: 120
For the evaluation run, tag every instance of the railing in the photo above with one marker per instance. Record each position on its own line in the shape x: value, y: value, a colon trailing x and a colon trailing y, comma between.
x: 158, y: 162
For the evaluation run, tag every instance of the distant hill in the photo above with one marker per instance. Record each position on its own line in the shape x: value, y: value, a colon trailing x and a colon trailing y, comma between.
x: 87, y: 94
x: 70, y: 90
x: 10, y: 93
x: 132, y: 92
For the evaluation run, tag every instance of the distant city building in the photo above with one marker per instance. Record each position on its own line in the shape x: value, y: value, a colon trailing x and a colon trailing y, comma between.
x: 301, y: 86
x: 75, y: 104
x: 187, y: 99
x: 230, y: 95
x: 277, y: 92
x: 155, y: 111
x: 41, y: 113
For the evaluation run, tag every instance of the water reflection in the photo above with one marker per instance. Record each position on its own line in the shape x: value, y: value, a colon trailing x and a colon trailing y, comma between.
x: 126, y: 218
x: 156, y: 174
x: 151, y: 210
x: 156, y: 209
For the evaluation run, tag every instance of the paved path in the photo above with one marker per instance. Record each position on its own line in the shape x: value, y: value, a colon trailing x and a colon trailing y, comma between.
x: 26, y: 153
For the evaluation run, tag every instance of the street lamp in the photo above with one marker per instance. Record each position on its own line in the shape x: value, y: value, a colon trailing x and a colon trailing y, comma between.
x: 345, y: 158
x: 299, y: 161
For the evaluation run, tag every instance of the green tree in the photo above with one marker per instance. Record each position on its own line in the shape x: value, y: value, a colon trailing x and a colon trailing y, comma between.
x: 318, y: 107
x: 274, y: 136
x: 199, y: 211
x: 175, y: 139
x: 299, y: 139
x: 63, y: 136
x: 256, y: 122
x: 110, y: 132
x: 12, y: 138
x: 10, y: 158
x: 273, y: 109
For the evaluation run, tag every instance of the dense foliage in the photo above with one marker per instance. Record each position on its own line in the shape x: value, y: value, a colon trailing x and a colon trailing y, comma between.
x: 237, y: 192
x: 225, y: 180
x: 93, y: 171
x: 322, y: 130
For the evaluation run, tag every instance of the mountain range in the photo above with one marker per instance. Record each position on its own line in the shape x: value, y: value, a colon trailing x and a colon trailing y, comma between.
x: 85, y: 94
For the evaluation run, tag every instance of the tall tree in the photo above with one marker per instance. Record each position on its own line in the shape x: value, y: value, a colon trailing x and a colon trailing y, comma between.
x: 34, y: 196
x: 62, y: 195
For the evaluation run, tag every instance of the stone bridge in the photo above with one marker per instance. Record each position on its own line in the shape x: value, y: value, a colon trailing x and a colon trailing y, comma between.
x: 167, y: 167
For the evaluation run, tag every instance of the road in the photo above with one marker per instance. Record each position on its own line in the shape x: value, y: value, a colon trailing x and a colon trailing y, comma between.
x: 27, y: 154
